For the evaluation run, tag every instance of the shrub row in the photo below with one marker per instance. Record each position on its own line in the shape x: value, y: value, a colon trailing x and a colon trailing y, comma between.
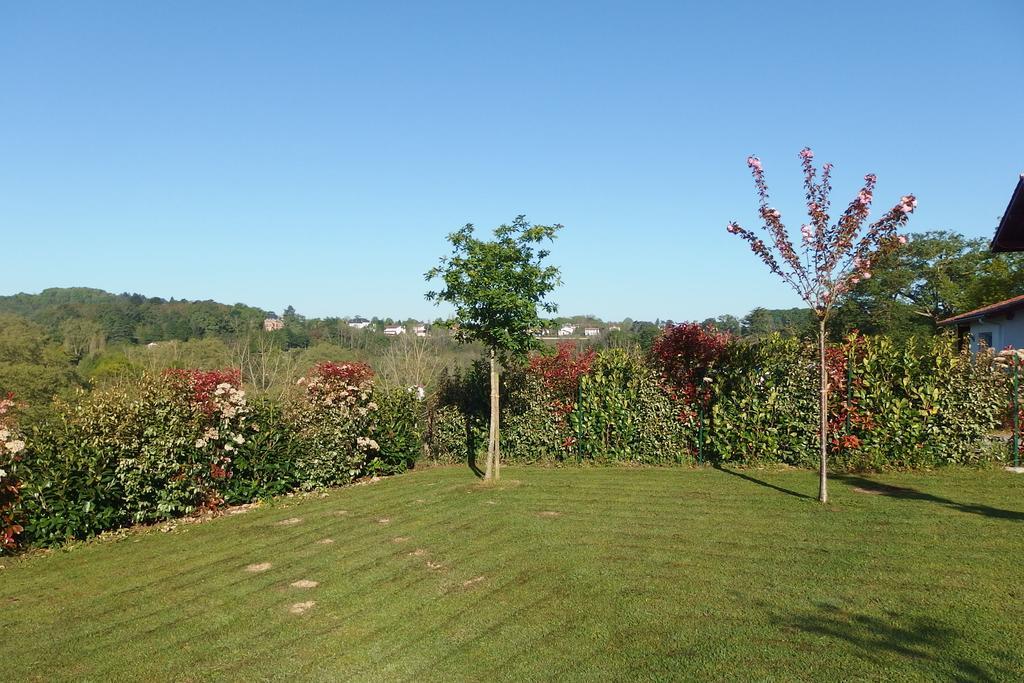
x: 160, y: 446
x: 702, y: 395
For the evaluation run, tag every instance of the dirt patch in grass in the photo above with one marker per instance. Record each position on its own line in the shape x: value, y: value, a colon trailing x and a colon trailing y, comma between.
x: 304, y: 583
x: 870, y: 492
x: 257, y: 568
x: 549, y: 513
x: 472, y: 582
x: 289, y: 522
x: 399, y: 539
x: 434, y: 566
x: 341, y: 513
x: 384, y: 520
x: 419, y: 552
x: 301, y: 607
x: 325, y: 541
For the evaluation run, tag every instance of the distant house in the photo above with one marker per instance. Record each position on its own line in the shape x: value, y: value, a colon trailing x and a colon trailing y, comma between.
x: 614, y: 328
x: 591, y: 331
x: 394, y: 330
x: 420, y: 330
x: 358, y: 323
x: 567, y: 330
x: 995, y: 326
x: 271, y: 324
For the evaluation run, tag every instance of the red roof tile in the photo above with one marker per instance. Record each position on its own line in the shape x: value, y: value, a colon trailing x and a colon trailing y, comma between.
x: 999, y: 307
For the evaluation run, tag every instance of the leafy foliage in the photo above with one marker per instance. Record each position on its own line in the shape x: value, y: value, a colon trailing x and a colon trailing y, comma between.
x: 333, y: 416
x: 164, y: 445
x: 497, y: 286
x: 763, y: 407
x: 894, y: 405
x: 624, y: 413
x: 11, y: 447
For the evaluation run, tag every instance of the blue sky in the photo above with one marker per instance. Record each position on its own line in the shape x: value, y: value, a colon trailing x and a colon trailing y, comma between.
x: 317, y: 153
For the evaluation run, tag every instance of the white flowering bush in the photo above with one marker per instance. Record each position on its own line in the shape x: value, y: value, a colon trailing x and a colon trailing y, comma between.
x: 333, y: 415
x: 160, y: 446
x: 223, y: 412
x: 140, y: 450
x: 11, y: 447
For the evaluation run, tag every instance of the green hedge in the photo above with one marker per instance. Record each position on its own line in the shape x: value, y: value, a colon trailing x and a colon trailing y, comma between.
x: 908, y: 406
x: 140, y: 450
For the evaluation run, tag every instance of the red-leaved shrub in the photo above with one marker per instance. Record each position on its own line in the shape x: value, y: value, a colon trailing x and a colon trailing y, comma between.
x: 560, y: 373
x: 687, y: 354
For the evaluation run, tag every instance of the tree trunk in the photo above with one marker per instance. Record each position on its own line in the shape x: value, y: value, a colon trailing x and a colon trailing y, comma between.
x: 822, y: 415
x: 493, y: 470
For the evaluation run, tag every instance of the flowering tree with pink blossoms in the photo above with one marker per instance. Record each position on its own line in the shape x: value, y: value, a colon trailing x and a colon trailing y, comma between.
x: 830, y: 258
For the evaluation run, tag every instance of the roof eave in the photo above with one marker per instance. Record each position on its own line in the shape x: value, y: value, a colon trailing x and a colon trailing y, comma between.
x: 1010, y: 233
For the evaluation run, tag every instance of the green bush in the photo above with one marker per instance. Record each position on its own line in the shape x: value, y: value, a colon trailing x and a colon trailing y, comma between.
x: 264, y: 466
x: 624, y: 414
x: 70, y: 489
x: 398, y: 429
x: 911, y: 405
x: 765, y: 403
x: 532, y: 430
x: 333, y: 418
x: 921, y: 405
x: 449, y: 439
x: 154, y: 447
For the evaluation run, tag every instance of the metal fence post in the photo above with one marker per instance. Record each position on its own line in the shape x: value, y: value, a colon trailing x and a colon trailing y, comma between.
x: 1016, y: 413
x: 849, y: 386
x: 579, y: 403
x: 700, y: 432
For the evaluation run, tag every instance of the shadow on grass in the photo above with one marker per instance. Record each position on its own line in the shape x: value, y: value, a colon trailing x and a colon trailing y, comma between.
x: 761, y: 482
x: 471, y: 460
x: 916, y: 642
x: 869, y: 486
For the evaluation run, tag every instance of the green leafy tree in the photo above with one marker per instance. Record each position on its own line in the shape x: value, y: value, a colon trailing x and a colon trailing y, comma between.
x: 936, y: 275
x: 496, y: 287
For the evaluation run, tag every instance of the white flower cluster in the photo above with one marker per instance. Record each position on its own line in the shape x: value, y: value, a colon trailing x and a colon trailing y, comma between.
x: 229, y: 411
x: 367, y: 444
x: 10, y: 443
x: 1008, y: 357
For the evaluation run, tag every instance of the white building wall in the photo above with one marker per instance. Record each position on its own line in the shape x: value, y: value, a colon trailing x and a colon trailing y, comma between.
x: 1005, y: 331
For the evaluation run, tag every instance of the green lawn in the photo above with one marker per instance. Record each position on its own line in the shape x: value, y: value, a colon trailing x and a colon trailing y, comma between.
x: 558, y: 573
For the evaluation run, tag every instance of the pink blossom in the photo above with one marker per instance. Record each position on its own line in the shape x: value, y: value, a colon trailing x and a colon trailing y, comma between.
x: 826, y: 167
x: 864, y: 197
x: 754, y: 162
x: 732, y: 228
x: 866, y: 275
x: 908, y: 203
x: 902, y: 239
x: 806, y: 153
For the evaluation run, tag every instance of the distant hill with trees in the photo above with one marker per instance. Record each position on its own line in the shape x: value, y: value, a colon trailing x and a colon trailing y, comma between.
x: 83, y: 313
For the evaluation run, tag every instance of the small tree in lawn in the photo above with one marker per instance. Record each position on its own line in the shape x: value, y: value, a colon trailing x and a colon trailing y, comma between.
x: 496, y: 288
x: 831, y: 258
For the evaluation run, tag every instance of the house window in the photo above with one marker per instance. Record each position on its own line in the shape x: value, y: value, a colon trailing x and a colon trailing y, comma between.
x: 984, y: 340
